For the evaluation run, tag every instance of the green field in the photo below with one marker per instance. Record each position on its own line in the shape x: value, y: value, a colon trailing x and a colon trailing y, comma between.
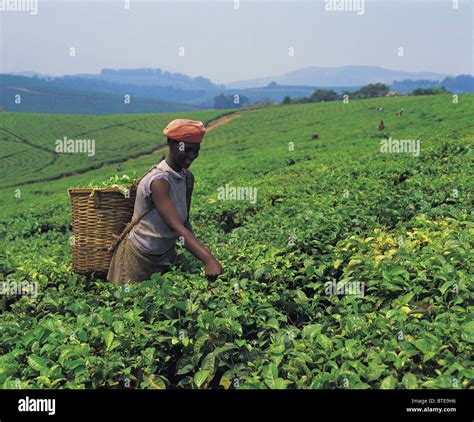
x: 29, y: 142
x: 335, y: 209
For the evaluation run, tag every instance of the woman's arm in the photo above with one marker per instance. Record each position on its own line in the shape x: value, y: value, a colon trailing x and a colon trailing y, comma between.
x: 160, y: 193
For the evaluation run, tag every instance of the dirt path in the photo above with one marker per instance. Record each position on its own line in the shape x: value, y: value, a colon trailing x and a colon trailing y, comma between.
x: 222, y: 121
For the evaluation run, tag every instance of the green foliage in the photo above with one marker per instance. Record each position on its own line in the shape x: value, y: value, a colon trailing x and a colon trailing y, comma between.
x: 372, y: 91
x: 122, y: 182
x: 342, y: 211
x: 29, y: 143
x: 430, y: 91
x: 322, y: 95
x: 117, y: 181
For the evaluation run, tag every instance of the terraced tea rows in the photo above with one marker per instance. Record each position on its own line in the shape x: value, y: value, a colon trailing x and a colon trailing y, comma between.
x: 45, y: 141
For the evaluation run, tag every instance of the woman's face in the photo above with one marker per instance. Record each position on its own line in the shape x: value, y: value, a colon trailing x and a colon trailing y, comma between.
x: 183, y: 153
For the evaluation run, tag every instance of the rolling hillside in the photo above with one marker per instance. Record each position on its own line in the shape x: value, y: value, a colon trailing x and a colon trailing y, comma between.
x: 41, y: 96
x: 30, y: 142
x: 335, y: 76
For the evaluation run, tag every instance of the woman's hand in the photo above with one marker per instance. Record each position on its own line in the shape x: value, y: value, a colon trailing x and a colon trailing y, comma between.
x: 213, y: 269
x: 161, y: 198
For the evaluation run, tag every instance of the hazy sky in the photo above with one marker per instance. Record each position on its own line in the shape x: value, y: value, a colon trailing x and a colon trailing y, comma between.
x: 227, y: 44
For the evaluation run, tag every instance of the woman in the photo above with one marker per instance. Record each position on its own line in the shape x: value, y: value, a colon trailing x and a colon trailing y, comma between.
x: 166, y: 191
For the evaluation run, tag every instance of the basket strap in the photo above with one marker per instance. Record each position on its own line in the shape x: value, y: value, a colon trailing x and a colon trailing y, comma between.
x: 127, y: 229
x: 132, y: 224
x: 137, y: 181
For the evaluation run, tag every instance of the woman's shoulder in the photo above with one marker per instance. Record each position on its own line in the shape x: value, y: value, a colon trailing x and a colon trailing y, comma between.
x: 156, y: 172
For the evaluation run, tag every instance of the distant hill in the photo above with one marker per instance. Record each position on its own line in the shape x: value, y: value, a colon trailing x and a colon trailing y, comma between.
x: 146, y: 98
x: 44, y: 96
x: 155, y: 90
x: 337, y: 76
x: 408, y: 85
x: 154, y: 77
x: 168, y: 93
x: 461, y: 84
x: 31, y: 74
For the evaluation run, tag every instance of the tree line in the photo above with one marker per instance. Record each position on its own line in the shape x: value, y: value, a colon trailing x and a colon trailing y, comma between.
x: 367, y: 91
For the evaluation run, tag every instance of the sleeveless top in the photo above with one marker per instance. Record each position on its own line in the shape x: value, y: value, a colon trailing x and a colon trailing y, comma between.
x: 151, y: 235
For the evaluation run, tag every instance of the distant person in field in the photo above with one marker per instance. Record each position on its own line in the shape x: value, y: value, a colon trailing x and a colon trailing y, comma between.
x: 166, y: 190
x: 381, y: 125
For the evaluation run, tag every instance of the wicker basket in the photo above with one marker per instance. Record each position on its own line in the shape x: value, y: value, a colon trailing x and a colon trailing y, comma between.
x: 99, y: 217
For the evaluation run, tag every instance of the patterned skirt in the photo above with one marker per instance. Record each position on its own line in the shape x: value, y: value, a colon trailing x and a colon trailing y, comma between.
x: 129, y: 265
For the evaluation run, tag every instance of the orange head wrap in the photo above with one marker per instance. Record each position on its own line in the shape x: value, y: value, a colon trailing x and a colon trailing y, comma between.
x: 185, y: 130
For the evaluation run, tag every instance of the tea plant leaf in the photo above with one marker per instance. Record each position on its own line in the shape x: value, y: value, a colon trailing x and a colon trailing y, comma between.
x: 389, y: 383
x: 409, y: 381
x: 467, y: 331
x: 270, y: 375
x: 37, y: 363
x: 273, y: 323
x: 118, y: 327
x: 311, y: 331
x: 108, y: 337
x: 200, y: 377
x: 324, y: 341
x: 443, y: 289
x: 226, y: 379
x: 209, y: 363
x: 199, y: 343
x: 155, y: 383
